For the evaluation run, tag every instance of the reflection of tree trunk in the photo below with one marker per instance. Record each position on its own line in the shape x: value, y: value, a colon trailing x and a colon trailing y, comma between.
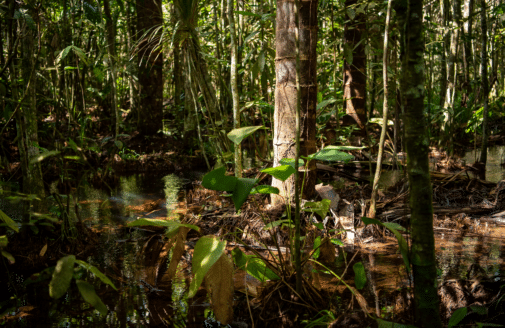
x: 427, y: 312
x: 286, y: 96
x: 150, y: 57
x: 355, y: 66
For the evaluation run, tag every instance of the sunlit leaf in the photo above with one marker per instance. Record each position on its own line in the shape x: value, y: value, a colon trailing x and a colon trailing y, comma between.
x: 207, y: 251
x: 317, y: 244
x: 62, y: 276
x: 282, y: 172
x: 331, y: 154
x: 321, y: 208
x: 265, y: 189
x: 96, y: 272
x: 276, y: 224
x: 237, y: 135
x: 380, y: 121
x: 160, y: 223
x: 4, y: 241
x: 291, y: 161
x: 88, y: 293
x: 44, y: 155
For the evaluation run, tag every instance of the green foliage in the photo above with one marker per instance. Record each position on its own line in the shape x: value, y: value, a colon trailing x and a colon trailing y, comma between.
x: 208, y: 250
x: 89, y: 295
x: 321, y: 208
x: 359, y: 275
x: 62, y: 277
x: 322, y: 319
x: 8, y: 221
x: 96, y: 272
x: 253, y: 265
x: 265, y: 189
x: 282, y: 172
x: 237, y: 135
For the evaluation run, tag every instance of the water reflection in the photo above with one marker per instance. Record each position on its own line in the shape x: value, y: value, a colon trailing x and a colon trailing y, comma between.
x: 495, y: 158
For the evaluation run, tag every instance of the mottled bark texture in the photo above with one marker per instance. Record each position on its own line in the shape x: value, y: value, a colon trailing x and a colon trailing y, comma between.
x: 427, y: 313
x: 286, y: 93
x: 355, y: 66
x: 150, y: 75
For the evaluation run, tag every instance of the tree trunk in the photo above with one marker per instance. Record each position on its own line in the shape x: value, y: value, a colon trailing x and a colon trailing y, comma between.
x: 150, y: 58
x: 484, y: 79
x: 286, y: 96
x: 111, y: 51
x: 426, y: 301
x: 355, y: 67
x: 26, y: 119
x: 467, y: 50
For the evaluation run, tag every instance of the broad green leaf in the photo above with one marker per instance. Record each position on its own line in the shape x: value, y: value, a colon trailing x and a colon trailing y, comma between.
x: 337, y: 242
x: 96, y: 272
x: 325, y: 103
x: 119, y: 144
x: 275, y: 224
x: 321, y: 208
x: 291, y: 161
x: 351, y: 13
x: 253, y: 265
x: 160, y: 223
x: 44, y: 155
x: 331, y: 154
x: 457, y: 316
x: 62, y: 276
x: 242, y: 190
x: 261, y: 61
x: 265, y: 189
x: 8, y: 256
x: 8, y: 221
x: 207, y: 251
x: 80, y: 53
x: 217, y: 180
x: 402, y: 243
x: 380, y: 121
x: 359, y: 275
x: 88, y: 293
x: 237, y: 135
x: 347, y: 147
x: 3, y: 241
x: 282, y: 172
x: 480, y: 310
x: 317, y: 244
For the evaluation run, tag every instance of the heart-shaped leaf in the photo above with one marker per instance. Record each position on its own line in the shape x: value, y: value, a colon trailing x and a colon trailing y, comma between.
x: 237, y: 135
x: 217, y: 180
x: 282, y: 172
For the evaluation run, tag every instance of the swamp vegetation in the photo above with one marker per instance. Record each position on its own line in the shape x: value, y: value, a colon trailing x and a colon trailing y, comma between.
x: 288, y: 163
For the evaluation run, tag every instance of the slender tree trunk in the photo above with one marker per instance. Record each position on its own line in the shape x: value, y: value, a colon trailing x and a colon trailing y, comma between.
x: 111, y: 51
x: 150, y: 58
x: 234, y: 87
x: 484, y: 79
x: 467, y: 50
x: 26, y: 119
x: 375, y: 186
x: 426, y: 301
x: 286, y: 95
x: 355, y: 68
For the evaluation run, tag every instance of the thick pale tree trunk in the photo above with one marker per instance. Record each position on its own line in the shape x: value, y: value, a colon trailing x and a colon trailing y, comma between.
x: 150, y: 57
x: 426, y: 301
x: 355, y: 67
x: 286, y: 96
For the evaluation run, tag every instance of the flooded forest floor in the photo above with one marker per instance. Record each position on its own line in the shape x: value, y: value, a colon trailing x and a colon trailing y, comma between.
x: 156, y: 182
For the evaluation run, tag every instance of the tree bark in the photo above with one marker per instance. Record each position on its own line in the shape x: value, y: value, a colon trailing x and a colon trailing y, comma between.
x: 484, y: 79
x: 355, y: 67
x: 150, y: 59
x: 426, y: 301
x: 286, y: 95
